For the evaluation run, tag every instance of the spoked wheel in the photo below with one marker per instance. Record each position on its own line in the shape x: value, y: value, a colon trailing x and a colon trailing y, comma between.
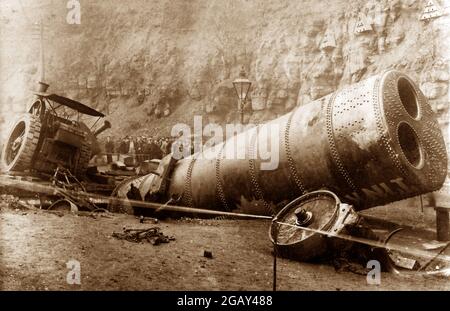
x: 19, y: 149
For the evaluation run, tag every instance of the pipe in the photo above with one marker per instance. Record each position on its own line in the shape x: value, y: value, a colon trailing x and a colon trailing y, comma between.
x: 106, y: 125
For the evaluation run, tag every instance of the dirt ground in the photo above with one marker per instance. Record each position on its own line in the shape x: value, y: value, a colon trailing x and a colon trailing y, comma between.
x: 36, y: 245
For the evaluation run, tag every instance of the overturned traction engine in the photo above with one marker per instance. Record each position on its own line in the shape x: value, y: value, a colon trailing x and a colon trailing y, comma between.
x: 368, y: 144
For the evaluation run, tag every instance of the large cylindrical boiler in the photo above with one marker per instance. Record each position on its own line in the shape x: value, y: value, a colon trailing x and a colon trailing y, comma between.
x: 371, y: 143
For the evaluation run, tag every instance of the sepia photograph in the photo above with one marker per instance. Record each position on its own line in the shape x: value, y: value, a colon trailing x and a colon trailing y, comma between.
x: 209, y: 146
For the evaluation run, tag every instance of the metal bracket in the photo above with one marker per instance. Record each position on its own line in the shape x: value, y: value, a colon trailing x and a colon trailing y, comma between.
x: 346, y: 216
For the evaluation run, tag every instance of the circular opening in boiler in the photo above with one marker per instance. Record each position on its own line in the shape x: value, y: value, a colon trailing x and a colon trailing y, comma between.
x: 409, y: 142
x: 408, y: 97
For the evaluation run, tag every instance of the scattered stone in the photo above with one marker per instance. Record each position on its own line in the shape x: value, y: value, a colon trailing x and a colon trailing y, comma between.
x: 152, y: 235
x: 143, y: 219
x: 207, y: 254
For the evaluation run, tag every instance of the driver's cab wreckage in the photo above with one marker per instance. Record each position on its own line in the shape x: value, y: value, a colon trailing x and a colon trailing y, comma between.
x: 51, y: 135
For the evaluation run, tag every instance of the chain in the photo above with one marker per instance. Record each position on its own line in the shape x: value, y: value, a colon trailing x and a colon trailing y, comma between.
x: 220, y: 192
x: 252, y: 163
x: 187, y: 192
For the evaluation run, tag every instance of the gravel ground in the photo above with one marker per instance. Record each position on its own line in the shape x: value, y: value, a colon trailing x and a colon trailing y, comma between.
x: 36, y: 246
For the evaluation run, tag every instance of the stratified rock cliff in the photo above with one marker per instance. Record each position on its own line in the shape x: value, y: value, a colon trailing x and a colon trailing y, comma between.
x: 151, y: 63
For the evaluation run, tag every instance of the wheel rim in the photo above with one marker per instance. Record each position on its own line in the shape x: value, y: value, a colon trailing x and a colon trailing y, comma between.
x: 15, y: 142
x: 63, y: 205
x: 37, y: 108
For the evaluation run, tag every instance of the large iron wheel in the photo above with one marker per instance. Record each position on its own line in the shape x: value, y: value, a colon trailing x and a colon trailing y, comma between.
x: 19, y: 149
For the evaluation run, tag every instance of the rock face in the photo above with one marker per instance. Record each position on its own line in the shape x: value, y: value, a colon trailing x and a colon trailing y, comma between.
x: 155, y: 63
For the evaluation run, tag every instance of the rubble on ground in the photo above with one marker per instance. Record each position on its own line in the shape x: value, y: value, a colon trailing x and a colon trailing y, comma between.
x: 152, y: 235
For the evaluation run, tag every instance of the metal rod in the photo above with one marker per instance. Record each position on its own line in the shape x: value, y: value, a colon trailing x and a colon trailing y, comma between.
x: 373, y: 243
x: 275, y: 257
x: 421, y: 203
x: 95, y: 123
x: 42, y: 58
x: 241, y: 111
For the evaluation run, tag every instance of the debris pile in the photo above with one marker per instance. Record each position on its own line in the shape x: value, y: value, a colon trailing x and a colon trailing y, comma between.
x: 5, y: 200
x: 12, y: 202
x: 152, y: 235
